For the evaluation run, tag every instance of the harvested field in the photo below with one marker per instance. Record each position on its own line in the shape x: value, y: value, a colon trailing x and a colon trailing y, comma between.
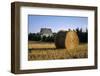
x: 48, y: 51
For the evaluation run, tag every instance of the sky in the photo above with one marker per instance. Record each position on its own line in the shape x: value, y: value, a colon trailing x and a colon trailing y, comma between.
x: 56, y: 23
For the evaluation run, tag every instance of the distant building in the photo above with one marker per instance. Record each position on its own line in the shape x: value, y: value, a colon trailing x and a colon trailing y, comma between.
x: 46, y: 32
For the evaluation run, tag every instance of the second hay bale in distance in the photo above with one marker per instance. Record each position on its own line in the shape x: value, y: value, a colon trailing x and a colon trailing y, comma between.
x: 60, y: 39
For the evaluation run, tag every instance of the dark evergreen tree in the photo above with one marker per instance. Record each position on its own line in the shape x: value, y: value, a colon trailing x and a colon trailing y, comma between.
x: 83, y: 36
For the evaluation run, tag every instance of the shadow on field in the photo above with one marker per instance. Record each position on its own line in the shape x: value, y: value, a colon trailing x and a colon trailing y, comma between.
x: 38, y: 49
x: 42, y: 49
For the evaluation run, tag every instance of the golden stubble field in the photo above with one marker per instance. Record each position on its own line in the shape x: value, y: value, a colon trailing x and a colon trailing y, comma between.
x: 48, y: 51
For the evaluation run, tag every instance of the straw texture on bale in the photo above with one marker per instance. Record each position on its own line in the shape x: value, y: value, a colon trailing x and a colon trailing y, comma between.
x: 66, y: 39
x: 72, y: 40
x: 60, y: 39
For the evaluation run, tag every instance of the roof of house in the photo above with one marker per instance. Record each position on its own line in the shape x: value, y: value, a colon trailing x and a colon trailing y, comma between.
x: 45, y: 31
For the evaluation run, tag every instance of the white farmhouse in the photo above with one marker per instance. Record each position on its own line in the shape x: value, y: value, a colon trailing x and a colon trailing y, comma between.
x: 46, y: 32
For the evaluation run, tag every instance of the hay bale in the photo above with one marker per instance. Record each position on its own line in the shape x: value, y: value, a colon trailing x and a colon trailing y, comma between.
x: 72, y: 40
x: 68, y: 40
x: 60, y: 39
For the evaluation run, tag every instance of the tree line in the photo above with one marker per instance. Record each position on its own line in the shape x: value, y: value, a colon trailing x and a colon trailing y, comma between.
x: 38, y: 37
x: 83, y: 36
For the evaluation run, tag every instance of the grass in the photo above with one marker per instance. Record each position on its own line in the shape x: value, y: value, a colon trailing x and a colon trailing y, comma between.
x: 48, y: 51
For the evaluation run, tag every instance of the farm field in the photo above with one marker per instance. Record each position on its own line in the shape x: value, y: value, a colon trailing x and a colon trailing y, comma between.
x: 47, y: 51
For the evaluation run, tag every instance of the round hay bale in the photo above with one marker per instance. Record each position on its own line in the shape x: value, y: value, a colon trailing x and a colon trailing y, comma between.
x: 66, y: 39
x: 60, y: 39
x: 72, y: 40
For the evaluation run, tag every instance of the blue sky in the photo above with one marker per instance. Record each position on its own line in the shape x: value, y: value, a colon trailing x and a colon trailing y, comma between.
x: 56, y: 23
